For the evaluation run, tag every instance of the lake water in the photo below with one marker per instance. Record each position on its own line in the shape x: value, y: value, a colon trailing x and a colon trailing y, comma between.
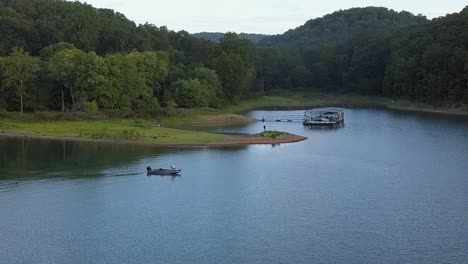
x: 387, y: 188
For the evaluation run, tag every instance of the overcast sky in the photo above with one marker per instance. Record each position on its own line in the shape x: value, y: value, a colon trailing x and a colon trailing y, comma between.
x: 256, y: 16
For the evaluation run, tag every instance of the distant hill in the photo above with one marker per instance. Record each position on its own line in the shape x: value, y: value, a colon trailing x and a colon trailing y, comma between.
x: 343, y: 25
x: 217, y: 36
x: 98, y: 56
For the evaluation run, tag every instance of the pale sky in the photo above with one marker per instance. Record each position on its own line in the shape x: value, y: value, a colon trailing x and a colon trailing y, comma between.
x: 256, y: 16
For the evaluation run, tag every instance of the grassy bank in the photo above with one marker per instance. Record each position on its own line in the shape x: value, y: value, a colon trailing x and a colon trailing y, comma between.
x: 203, y: 116
x: 111, y: 130
x: 106, y: 127
x: 156, y: 131
x: 132, y: 132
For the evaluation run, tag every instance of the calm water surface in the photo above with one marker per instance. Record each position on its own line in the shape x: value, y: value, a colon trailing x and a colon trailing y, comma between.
x: 386, y: 188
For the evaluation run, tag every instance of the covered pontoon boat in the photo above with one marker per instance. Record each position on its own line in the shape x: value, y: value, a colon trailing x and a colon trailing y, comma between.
x: 323, y: 118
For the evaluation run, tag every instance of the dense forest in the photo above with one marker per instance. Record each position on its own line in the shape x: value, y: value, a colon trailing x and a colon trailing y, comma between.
x: 217, y: 36
x: 69, y: 56
x: 342, y: 26
x: 375, y: 51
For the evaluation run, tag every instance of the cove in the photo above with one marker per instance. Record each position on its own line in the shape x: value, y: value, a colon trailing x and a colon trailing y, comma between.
x: 388, y: 187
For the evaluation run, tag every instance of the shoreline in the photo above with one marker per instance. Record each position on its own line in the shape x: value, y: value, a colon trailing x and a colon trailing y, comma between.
x: 427, y: 111
x: 362, y: 106
x: 296, y: 100
x: 235, y: 141
x: 171, y: 132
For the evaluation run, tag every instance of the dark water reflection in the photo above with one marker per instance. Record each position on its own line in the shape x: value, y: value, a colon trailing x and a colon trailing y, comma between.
x: 387, y: 188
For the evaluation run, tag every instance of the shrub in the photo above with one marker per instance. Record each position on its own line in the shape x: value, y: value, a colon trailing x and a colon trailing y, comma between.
x: 272, y: 134
x: 47, y: 116
x: 91, y: 107
x: 125, y: 112
x: 190, y: 93
x: 3, y: 112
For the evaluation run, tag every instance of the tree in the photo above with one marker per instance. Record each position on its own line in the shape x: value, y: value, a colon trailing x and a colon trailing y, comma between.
x: 82, y: 26
x: 153, y: 68
x: 191, y: 93
x: 62, y: 67
x: 19, y: 71
x: 124, y: 77
x: 92, y: 82
x: 211, y: 83
x: 233, y: 72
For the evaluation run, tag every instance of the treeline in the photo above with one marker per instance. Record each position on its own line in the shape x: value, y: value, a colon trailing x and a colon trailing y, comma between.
x: 69, y: 56
x: 344, y: 25
x: 430, y: 63
x: 217, y: 36
x: 66, y: 78
x: 373, y: 51
x: 36, y: 24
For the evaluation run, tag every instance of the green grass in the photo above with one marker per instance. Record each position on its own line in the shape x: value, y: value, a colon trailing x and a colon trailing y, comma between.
x: 272, y: 134
x: 264, y: 101
x: 102, y: 126
x: 203, y: 116
x: 109, y: 130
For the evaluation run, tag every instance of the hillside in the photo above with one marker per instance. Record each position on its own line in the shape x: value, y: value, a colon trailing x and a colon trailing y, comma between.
x: 343, y: 25
x: 373, y: 51
x: 217, y: 36
x: 69, y: 56
x: 430, y: 62
x: 35, y: 24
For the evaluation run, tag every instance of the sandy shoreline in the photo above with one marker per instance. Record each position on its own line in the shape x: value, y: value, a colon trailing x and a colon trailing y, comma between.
x: 235, y: 141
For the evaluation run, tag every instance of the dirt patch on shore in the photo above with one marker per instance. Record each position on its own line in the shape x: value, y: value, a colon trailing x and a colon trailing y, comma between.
x: 259, y: 140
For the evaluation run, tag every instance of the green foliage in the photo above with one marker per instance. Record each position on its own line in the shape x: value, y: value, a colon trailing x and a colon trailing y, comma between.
x: 217, y: 36
x: 428, y: 63
x: 61, y: 68
x: 91, y: 107
x: 232, y: 71
x: 58, y: 116
x: 153, y: 68
x: 272, y: 134
x: 191, y: 93
x: 18, y: 72
x: 344, y: 25
x: 114, y: 81
x: 81, y: 54
x: 372, y: 51
x: 3, y: 112
x: 211, y: 84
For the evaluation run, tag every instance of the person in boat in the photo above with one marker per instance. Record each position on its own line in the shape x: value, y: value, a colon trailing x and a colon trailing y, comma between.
x: 173, y: 167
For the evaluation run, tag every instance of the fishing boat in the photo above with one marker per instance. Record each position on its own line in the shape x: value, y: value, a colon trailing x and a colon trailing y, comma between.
x: 162, y: 172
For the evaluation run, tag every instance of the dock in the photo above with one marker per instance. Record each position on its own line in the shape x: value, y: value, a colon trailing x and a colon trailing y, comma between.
x: 284, y: 118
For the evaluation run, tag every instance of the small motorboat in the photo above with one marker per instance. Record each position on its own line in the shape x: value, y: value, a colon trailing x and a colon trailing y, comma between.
x: 162, y: 172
